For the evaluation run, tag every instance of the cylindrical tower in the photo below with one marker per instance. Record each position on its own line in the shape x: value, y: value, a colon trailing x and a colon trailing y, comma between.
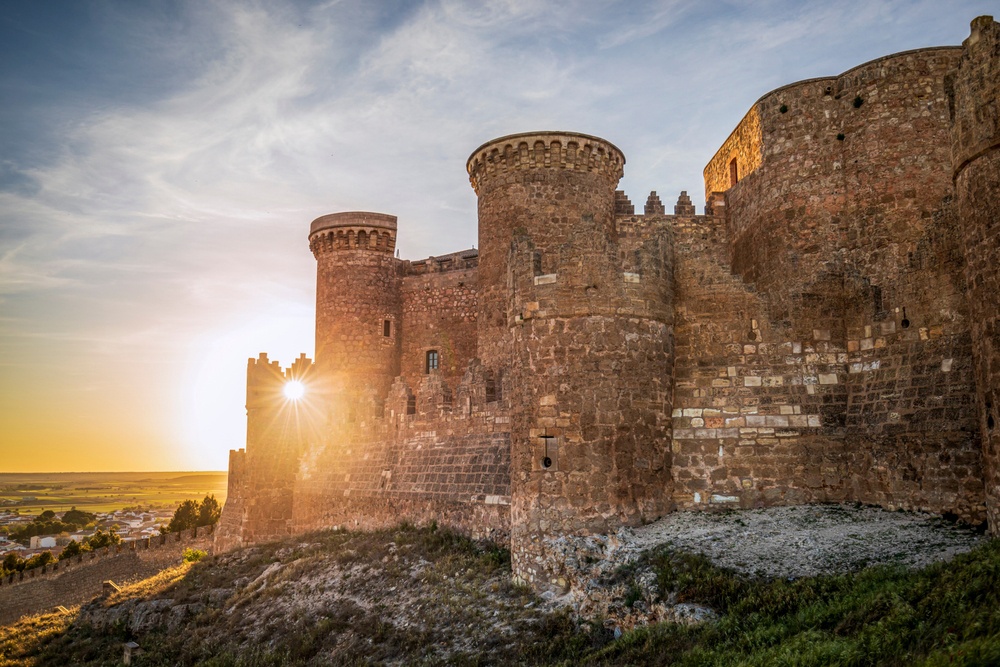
x: 358, y: 311
x: 975, y: 107
x: 542, y: 181
x: 588, y: 346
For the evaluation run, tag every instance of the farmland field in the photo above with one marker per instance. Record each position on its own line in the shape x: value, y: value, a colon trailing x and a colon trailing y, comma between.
x: 106, y: 491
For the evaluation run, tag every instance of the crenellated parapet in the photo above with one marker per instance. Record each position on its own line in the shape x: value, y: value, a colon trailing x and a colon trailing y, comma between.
x: 500, y: 161
x: 266, y: 380
x: 353, y: 230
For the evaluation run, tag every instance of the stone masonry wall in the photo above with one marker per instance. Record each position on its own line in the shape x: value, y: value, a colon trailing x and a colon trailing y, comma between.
x: 758, y: 411
x: 77, y: 580
x: 439, y: 313
x: 844, y: 228
x: 742, y: 145
x: 448, y: 460
x: 854, y: 162
x: 975, y: 105
x: 913, y: 440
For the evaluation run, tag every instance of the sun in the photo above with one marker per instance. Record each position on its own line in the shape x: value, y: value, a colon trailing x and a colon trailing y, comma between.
x: 294, y: 390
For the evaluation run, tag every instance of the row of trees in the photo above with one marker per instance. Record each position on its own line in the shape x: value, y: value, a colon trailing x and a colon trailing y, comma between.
x: 192, y: 514
x: 47, y: 524
x: 13, y: 563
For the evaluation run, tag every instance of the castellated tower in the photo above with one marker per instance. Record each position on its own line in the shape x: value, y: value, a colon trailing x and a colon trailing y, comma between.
x: 278, y: 429
x: 975, y: 107
x: 588, y: 346
x: 358, y: 312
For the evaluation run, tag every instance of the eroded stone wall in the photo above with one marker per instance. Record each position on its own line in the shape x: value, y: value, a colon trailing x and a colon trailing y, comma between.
x: 845, y: 228
x: 758, y: 409
x: 77, y: 580
x: 976, y: 160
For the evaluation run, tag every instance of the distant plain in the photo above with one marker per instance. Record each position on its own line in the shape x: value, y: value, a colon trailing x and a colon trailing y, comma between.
x: 105, y: 491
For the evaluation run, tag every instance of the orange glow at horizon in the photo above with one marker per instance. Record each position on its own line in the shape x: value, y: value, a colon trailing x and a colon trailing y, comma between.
x: 175, y: 406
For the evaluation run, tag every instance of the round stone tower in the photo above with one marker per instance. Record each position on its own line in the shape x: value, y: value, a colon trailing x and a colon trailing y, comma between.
x: 358, y: 311
x: 542, y: 181
x: 588, y: 347
x: 975, y: 107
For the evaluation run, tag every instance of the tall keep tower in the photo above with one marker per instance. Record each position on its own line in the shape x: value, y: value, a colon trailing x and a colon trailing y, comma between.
x: 975, y: 107
x: 358, y: 312
x: 588, y: 346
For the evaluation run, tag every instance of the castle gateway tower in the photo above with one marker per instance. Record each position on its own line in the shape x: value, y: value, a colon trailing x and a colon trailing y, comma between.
x: 588, y: 345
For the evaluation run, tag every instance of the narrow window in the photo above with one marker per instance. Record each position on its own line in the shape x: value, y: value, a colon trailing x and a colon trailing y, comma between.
x: 411, y: 405
x: 387, y: 328
x: 491, y: 388
x: 432, y: 360
x: 734, y: 174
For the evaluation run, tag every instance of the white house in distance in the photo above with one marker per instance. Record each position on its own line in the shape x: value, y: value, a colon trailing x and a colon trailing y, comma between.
x: 42, y: 542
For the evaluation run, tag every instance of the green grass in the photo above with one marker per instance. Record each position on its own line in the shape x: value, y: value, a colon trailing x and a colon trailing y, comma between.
x: 946, y: 614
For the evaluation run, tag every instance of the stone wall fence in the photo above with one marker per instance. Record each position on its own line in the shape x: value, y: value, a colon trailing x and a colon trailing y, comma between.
x: 79, y: 578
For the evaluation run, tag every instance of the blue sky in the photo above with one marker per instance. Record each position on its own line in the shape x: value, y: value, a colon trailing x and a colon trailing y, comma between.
x: 160, y: 163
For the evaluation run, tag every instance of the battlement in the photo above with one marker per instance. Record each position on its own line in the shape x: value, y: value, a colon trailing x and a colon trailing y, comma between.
x: 544, y: 150
x: 353, y: 230
x: 266, y: 378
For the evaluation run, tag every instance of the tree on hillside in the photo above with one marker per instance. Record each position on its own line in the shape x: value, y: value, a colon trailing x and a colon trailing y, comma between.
x: 209, y: 512
x: 47, y: 515
x: 190, y: 514
x: 103, y: 539
x: 74, y: 548
x: 12, y: 563
x: 185, y: 516
x: 39, y: 560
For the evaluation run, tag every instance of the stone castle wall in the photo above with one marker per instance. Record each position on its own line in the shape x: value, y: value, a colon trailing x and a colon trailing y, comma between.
x: 825, y: 332
x: 439, y: 452
x: 844, y: 226
x: 757, y: 410
x: 975, y: 107
x: 440, y: 312
x: 76, y: 580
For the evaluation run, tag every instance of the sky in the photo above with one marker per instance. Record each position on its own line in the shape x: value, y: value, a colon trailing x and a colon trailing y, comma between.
x: 160, y: 163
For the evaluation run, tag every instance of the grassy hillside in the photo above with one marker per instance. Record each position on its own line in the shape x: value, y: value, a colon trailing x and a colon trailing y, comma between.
x: 429, y: 597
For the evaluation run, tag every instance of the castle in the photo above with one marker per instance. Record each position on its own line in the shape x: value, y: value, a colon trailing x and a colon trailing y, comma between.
x: 828, y: 331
